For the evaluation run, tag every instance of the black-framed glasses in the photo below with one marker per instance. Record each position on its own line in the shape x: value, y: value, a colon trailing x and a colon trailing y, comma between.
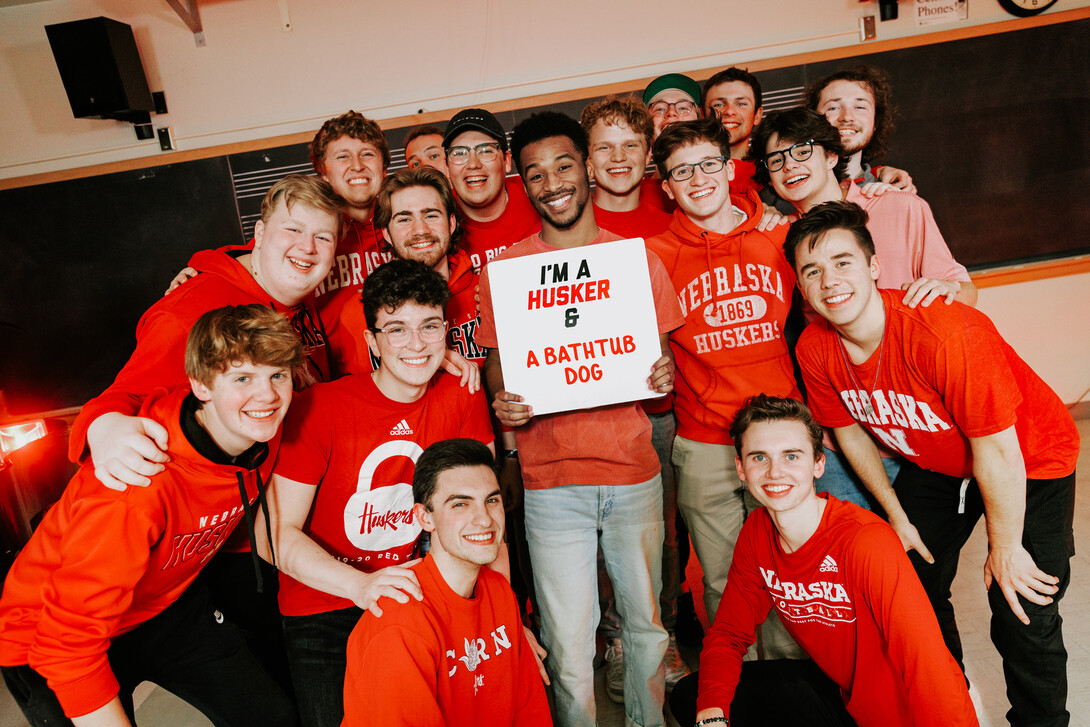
x: 711, y: 165
x: 800, y: 152
x: 400, y: 336
x: 458, y: 155
x: 681, y: 108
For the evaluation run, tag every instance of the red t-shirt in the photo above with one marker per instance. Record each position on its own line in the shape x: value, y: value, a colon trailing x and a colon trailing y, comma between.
x: 735, y: 291
x: 360, y: 448
x: 652, y: 193
x: 485, y: 240
x: 645, y: 221
x: 607, y: 445
x: 446, y: 661
x: 942, y: 375
x: 358, y: 254
x: 850, y: 598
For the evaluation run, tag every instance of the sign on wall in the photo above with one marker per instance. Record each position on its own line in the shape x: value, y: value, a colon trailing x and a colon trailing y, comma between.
x: 577, y: 327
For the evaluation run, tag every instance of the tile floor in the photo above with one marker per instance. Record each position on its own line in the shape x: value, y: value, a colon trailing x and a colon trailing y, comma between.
x: 160, y: 708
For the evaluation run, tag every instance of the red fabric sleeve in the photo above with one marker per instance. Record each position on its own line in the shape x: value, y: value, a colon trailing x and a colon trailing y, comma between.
x: 816, y: 363
x: 977, y: 385
x: 391, y: 655
x: 916, y: 651
x: 307, y: 441
x: 667, y: 309
x: 159, y: 360
x: 104, y: 553
x: 744, y: 606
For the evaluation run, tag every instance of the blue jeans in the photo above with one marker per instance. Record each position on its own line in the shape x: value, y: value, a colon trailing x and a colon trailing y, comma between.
x: 841, y: 482
x: 316, y: 646
x: 564, y: 527
x: 663, y: 431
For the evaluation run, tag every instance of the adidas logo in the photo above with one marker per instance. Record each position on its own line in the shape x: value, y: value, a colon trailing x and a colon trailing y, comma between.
x: 403, y: 428
x: 828, y: 565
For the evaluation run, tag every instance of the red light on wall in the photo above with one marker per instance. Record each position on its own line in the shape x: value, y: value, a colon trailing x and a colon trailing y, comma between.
x: 14, y: 436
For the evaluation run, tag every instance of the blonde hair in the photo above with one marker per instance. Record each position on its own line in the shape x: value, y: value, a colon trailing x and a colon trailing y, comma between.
x: 311, y: 191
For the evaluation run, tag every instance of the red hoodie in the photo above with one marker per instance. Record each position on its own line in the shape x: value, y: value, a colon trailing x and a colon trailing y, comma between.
x: 103, y: 562
x: 735, y: 291
x: 161, y: 334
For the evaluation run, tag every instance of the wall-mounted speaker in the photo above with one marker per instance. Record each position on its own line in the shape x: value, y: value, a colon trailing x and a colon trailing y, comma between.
x: 101, y: 70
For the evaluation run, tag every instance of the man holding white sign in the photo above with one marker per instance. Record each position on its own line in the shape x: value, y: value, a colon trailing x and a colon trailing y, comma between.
x: 591, y: 474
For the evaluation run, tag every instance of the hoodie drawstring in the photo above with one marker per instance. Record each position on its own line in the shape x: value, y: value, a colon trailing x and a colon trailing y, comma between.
x: 247, y: 510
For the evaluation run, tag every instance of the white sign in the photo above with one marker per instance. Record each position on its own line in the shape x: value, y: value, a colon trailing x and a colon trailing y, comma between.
x: 576, y: 328
x: 931, y: 12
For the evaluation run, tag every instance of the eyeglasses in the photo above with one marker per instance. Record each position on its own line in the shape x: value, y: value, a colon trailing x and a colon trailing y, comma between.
x: 710, y: 165
x: 681, y: 108
x: 458, y: 155
x: 799, y: 152
x: 400, y: 336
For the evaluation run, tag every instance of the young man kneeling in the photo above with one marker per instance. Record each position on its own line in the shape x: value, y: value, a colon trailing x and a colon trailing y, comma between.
x: 842, y: 585
x: 457, y: 657
x: 99, y: 599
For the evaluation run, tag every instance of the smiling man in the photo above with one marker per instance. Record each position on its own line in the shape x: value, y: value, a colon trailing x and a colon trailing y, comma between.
x: 981, y: 433
x: 415, y: 211
x: 350, y: 152
x: 734, y: 97
x: 458, y: 656
x: 858, y: 101
x: 844, y: 589
x: 424, y: 148
x: 495, y: 209
x: 100, y: 597
x: 294, y: 243
x: 340, y: 501
x: 735, y: 287
x: 591, y: 475
x: 803, y: 157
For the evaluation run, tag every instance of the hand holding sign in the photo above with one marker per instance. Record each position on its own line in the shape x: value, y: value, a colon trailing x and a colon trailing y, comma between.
x: 578, y: 329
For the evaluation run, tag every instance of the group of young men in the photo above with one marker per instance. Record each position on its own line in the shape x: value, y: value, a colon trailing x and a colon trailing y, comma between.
x: 396, y: 525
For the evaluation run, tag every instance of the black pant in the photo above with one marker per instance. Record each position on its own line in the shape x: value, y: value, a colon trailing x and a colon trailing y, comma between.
x: 187, y: 649
x: 1034, y: 657
x: 773, y: 692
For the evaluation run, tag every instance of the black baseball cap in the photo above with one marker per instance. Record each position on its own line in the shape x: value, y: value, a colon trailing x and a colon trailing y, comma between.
x: 474, y: 120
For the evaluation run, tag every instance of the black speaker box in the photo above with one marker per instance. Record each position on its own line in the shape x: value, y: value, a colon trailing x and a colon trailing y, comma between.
x: 101, y: 70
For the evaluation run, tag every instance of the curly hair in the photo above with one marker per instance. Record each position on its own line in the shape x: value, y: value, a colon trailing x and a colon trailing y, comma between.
x: 876, y: 81
x: 545, y: 125
x: 613, y: 109
x: 398, y: 282
x: 352, y: 124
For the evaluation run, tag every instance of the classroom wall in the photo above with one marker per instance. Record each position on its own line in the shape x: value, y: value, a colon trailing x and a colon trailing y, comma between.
x: 253, y: 80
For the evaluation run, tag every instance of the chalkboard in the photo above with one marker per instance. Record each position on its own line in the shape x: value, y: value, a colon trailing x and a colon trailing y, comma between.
x: 84, y: 259
x: 995, y: 131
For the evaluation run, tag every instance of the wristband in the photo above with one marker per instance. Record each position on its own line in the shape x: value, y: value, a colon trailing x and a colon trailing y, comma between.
x: 509, y: 454
x: 712, y: 720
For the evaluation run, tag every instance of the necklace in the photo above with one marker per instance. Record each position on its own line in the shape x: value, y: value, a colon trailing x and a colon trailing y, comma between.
x: 868, y: 408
